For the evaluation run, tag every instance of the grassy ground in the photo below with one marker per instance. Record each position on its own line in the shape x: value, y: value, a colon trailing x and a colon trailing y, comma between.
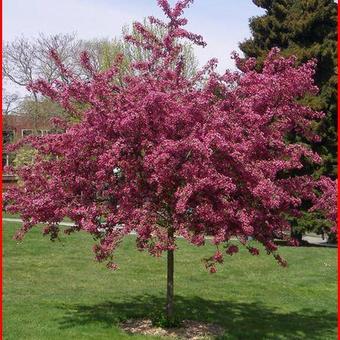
x: 56, y: 291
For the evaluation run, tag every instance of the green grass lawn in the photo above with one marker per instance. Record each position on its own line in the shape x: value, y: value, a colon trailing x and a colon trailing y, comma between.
x: 56, y: 290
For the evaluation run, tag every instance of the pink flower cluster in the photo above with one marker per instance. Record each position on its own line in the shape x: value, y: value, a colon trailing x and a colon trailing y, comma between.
x: 206, y: 156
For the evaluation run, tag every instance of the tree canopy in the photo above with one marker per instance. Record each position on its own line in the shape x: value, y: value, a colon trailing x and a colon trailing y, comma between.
x: 163, y: 151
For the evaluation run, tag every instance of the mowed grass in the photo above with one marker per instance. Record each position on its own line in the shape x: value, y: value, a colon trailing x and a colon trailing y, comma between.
x: 57, y: 291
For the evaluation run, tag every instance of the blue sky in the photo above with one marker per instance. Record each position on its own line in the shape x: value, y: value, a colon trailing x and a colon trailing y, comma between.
x: 223, y: 23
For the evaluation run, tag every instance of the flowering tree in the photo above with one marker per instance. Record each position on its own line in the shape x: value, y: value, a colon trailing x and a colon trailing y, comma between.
x: 168, y: 156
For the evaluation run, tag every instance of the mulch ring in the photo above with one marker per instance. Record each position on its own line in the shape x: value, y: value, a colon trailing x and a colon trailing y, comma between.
x: 189, y: 329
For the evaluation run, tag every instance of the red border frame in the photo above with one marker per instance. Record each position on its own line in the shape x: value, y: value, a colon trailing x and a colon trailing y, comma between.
x: 1, y: 238
x: 338, y: 200
x: 1, y: 249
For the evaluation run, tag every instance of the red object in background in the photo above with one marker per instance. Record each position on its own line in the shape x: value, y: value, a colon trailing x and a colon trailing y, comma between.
x: 15, y: 127
x: 338, y: 181
x: 1, y: 292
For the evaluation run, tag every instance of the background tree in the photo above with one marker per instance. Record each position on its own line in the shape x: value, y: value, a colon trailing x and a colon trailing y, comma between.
x: 306, y: 29
x: 136, y: 53
x: 10, y: 102
x: 165, y: 155
x: 26, y: 60
x: 104, y: 52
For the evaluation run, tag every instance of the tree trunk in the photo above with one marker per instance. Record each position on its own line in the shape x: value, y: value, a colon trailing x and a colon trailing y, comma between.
x: 170, y: 280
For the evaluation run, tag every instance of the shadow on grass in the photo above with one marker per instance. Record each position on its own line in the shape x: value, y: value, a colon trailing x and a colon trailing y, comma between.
x: 240, y: 320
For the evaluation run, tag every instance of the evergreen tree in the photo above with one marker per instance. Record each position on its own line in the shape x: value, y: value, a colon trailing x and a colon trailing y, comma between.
x: 307, y: 29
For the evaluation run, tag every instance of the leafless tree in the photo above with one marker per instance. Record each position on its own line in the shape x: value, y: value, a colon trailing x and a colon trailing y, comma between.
x: 26, y: 60
x: 10, y: 102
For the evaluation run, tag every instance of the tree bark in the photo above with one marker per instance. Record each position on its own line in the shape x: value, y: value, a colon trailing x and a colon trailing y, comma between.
x: 170, y: 279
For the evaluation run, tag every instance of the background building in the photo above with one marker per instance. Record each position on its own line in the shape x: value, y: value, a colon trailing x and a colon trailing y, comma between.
x: 14, y: 128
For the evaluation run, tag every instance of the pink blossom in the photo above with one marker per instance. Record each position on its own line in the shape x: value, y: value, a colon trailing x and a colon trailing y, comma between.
x: 293, y: 242
x: 232, y: 249
x: 253, y: 251
x: 218, y: 257
x: 158, y: 150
